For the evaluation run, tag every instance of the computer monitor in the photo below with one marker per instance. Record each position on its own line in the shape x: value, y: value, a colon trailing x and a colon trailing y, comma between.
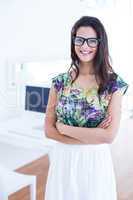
x: 36, y: 98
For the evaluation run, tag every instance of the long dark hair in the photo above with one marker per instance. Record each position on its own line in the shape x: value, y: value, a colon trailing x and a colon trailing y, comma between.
x: 102, y: 67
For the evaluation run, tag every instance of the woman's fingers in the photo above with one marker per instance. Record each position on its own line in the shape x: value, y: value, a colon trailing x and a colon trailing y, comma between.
x: 106, y: 122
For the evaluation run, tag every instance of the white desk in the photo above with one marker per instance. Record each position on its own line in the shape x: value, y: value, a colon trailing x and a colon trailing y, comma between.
x: 15, y: 157
x: 22, y: 140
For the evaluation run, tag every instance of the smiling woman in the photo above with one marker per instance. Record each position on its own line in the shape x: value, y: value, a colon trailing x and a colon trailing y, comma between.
x: 86, y: 48
x: 83, y: 115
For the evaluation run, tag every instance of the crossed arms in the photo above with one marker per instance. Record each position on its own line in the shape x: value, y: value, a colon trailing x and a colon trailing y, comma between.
x: 104, y: 133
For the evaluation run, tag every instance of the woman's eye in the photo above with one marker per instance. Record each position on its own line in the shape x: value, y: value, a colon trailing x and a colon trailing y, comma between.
x: 78, y: 40
x: 93, y: 41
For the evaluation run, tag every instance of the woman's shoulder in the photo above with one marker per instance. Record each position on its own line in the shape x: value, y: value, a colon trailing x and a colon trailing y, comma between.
x: 61, y: 77
x: 60, y: 80
x: 116, y: 82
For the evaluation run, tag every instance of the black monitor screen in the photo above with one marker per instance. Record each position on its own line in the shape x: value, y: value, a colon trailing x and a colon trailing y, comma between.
x: 36, y: 98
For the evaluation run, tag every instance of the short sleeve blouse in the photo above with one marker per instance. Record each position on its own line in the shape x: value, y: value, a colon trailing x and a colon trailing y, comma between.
x: 79, y: 107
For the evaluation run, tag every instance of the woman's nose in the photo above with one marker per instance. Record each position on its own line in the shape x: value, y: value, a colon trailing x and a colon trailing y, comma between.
x: 85, y: 45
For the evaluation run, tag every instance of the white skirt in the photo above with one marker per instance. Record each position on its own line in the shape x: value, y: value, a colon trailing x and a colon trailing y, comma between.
x: 81, y: 172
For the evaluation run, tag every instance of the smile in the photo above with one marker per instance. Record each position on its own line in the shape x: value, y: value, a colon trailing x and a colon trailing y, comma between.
x: 85, y: 52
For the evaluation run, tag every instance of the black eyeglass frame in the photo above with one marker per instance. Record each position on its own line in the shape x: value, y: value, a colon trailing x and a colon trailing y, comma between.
x: 86, y: 39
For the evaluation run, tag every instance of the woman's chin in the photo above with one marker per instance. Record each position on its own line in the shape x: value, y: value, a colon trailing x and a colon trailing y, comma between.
x: 86, y: 59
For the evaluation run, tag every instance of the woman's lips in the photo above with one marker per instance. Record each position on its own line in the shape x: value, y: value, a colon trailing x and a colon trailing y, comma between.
x: 85, y: 52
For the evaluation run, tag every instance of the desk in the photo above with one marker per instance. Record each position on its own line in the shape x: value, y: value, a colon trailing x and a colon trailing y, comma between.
x: 23, y: 147
x: 28, y: 161
x: 39, y: 168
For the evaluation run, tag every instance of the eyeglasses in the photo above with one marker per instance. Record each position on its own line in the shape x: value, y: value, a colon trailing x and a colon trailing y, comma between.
x: 91, y: 42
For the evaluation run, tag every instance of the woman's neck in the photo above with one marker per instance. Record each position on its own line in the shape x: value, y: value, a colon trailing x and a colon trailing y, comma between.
x: 86, y: 69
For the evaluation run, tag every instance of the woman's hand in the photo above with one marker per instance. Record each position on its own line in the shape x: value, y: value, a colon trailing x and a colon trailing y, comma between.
x: 106, y: 122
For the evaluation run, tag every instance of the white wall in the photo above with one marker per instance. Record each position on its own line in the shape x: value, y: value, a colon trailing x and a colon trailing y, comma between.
x: 37, y: 27
x: 40, y: 30
x: 33, y: 30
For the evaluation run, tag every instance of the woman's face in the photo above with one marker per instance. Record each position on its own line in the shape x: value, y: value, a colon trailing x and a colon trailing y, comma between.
x: 86, y: 52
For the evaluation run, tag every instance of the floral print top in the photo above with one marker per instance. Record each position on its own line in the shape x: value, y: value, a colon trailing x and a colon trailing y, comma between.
x: 80, y: 107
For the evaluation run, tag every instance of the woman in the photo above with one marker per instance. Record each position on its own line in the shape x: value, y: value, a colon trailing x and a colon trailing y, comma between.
x: 83, y: 115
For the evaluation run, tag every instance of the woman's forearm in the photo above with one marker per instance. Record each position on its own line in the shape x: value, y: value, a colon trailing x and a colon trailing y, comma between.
x: 86, y: 135
x: 53, y: 133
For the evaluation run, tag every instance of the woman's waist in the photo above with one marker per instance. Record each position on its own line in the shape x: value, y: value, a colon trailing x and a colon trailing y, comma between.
x: 89, y: 147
